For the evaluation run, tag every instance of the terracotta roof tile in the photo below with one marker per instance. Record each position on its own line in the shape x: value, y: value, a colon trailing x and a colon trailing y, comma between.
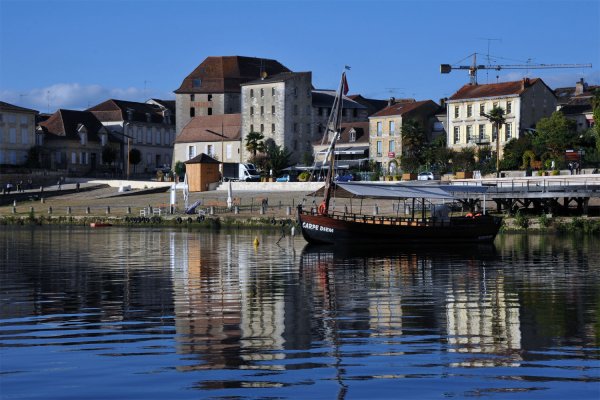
x: 494, y: 89
x: 225, y: 74
x: 118, y: 110
x: 199, y: 128
x: 402, y: 107
x: 64, y: 123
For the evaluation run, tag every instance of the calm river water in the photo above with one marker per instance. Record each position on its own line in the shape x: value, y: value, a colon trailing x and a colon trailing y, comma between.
x: 120, y: 313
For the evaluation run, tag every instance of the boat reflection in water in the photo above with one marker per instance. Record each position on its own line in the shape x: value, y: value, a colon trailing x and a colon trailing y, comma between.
x: 476, y: 314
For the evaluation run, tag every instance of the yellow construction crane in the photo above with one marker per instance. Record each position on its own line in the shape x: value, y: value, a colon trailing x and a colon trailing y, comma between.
x: 473, y: 68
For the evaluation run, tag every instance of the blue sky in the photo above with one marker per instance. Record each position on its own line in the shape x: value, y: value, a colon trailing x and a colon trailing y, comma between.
x: 77, y: 53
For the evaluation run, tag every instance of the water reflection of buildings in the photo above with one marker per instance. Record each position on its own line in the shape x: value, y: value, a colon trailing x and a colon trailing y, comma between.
x: 482, y: 319
x: 401, y: 296
x: 229, y: 308
x: 207, y: 303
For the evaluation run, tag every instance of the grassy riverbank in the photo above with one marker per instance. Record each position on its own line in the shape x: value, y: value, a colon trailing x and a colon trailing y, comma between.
x: 264, y: 210
x: 512, y: 224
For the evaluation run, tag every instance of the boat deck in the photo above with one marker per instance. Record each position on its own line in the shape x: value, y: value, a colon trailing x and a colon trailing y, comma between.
x: 391, y: 220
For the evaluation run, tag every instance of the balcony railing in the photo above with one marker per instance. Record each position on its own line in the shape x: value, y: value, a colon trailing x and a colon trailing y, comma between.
x: 484, y: 139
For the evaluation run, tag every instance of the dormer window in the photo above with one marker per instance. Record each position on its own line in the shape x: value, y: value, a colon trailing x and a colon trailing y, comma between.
x: 352, y: 137
x: 82, y: 132
x: 197, y: 83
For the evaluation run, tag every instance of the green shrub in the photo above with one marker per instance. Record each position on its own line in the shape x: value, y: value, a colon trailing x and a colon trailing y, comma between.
x: 304, y: 176
x: 521, y: 220
x: 544, y: 221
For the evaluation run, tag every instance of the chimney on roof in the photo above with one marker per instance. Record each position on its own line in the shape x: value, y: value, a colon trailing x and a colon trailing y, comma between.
x: 525, y: 83
x: 391, y: 101
x: 580, y: 87
x: 443, y: 102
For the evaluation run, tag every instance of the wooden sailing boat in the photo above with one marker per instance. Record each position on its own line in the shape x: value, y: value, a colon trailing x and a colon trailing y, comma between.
x: 321, y: 225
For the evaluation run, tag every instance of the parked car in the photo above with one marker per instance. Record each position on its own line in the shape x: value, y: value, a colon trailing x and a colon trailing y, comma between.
x: 344, y: 178
x: 425, y: 176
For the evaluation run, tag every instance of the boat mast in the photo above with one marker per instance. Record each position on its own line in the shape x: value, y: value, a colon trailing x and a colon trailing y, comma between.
x: 333, y: 125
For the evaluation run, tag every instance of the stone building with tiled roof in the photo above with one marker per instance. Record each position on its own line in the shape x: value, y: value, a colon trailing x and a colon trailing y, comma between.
x: 148, y: 127
x: 385, y: 130
x: 286, y: 109
x: 352, y: 147
x: 218, y: 136
x: 73, y: 141
x: 524, y: 102
x: 17, y: 133
x: 576, y: 103
x: 213, y: 87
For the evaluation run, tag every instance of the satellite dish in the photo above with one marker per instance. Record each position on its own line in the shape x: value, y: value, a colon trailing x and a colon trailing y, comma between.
x: 263, y: 74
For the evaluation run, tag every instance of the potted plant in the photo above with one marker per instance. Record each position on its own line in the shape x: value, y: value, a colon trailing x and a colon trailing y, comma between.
x: 464, y: 174
x: 410, y: 165
x: 464, y: 161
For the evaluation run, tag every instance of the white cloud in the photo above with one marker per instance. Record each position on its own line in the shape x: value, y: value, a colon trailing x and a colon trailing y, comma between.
x: 75, y: 96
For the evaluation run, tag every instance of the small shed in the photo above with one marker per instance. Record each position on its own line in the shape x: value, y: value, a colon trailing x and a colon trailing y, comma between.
x: 202, y: 170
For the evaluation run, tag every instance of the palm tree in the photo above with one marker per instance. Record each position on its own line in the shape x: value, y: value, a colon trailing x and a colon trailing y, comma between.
x: 255, y: 143
x: 596, y: 114
x: 413, y: 140
x: 496, y: 117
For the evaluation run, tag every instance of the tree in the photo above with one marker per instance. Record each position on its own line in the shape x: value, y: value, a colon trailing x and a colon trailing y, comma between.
x: 179, y: 168
x: 596, y: 114
x: 278, y: 158
x: 255, y: 143
x: 496, y: 117
x: 109, y: 155
x: 485, y: 160
x: 135, y: 157
x: 464, y: 160
x: 514, y: 150
x: 438, y: 155
x: 554, y: 135
x: 413, y: 141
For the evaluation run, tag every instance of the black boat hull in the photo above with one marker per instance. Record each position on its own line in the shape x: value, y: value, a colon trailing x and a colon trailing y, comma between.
x: 325, y: 229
